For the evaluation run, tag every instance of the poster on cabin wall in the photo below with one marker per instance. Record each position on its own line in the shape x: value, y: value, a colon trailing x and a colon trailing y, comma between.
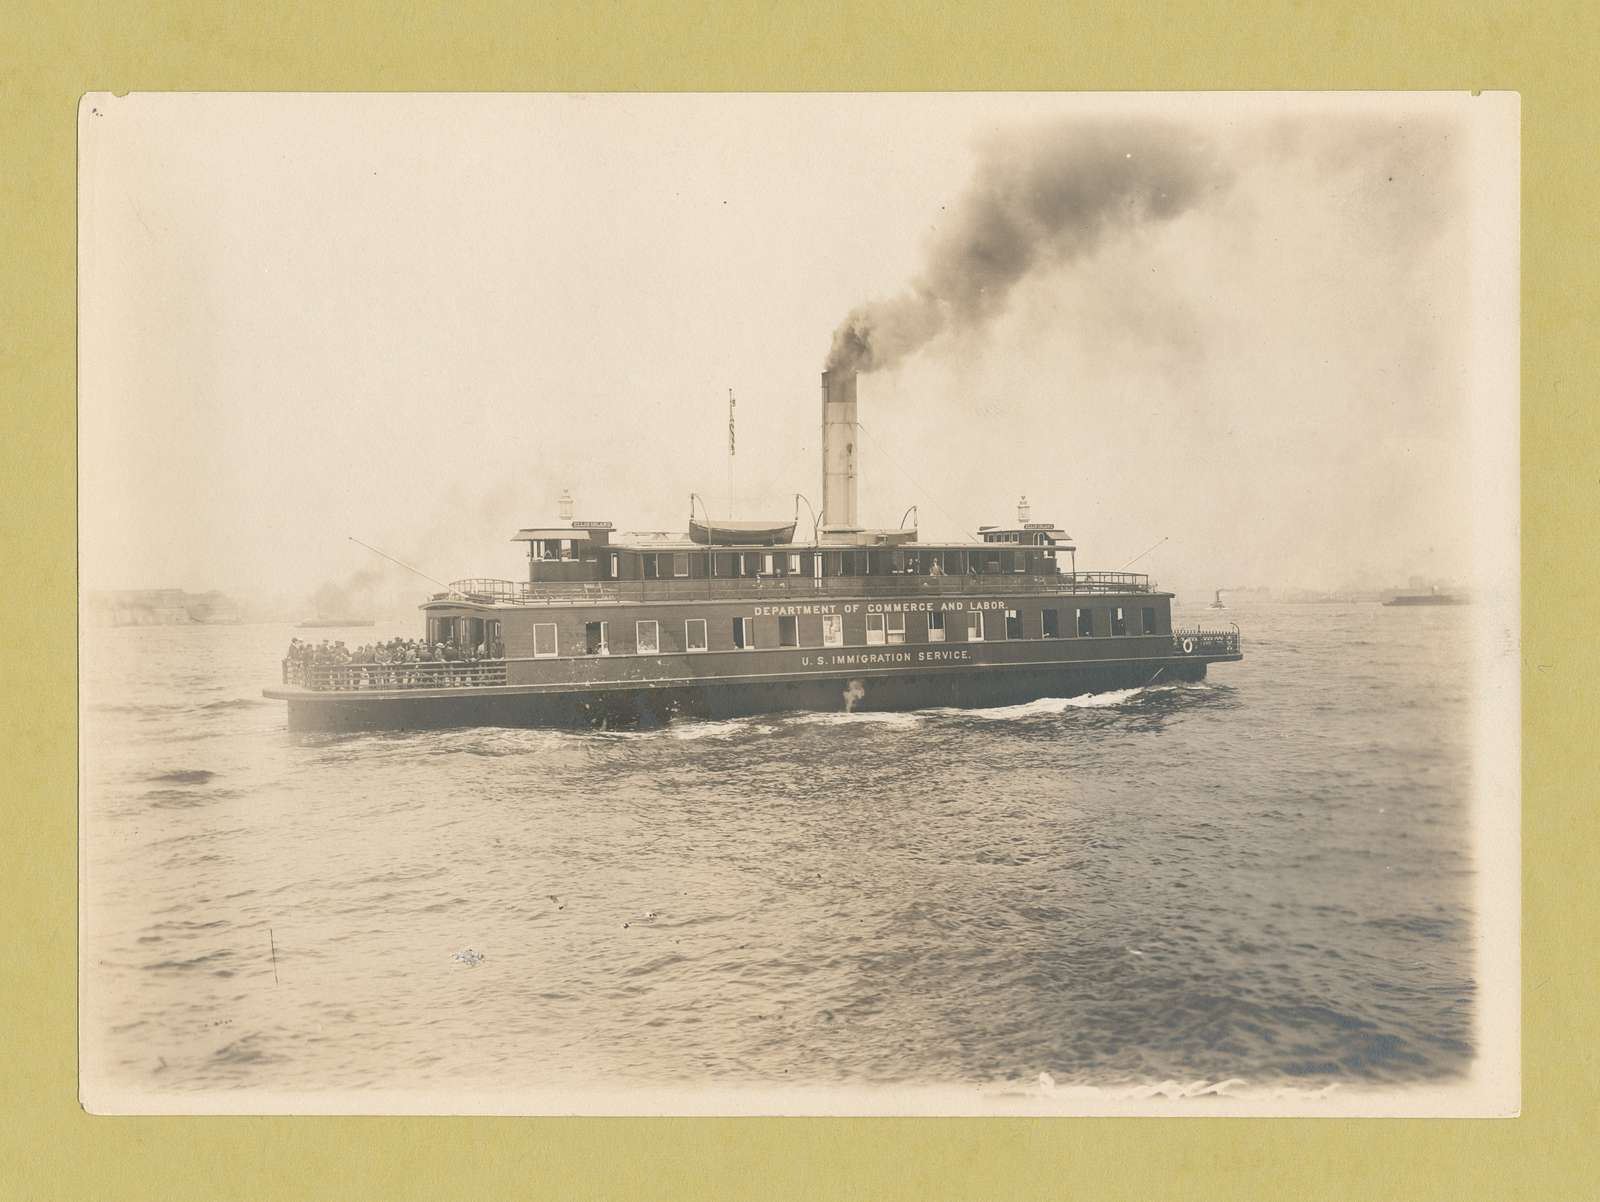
x: 786, y: 604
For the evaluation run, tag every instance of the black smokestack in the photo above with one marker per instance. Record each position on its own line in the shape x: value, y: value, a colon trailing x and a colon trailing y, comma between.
x: 1044, y: 195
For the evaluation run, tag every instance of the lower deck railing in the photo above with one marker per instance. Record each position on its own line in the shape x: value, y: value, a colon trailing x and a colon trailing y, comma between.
x: 433, y: 674
x: 1195, y: 641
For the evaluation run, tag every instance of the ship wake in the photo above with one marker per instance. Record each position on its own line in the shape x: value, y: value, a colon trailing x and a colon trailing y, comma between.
x: 1045, y: 707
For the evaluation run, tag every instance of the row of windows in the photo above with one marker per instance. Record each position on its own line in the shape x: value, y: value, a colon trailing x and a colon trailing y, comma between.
x: 655, y: 565
x: 880, y: 629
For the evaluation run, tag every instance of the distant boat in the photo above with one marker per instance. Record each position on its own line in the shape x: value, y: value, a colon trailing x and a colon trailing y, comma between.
x: 1217, y: 604
x: 1433, y: 598
x: 334, y: 623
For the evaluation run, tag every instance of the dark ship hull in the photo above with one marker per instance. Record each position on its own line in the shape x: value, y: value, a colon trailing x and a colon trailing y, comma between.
x: 629, y: 705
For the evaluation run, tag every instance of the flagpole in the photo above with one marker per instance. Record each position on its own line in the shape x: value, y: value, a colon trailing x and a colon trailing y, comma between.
x: 731, y: 499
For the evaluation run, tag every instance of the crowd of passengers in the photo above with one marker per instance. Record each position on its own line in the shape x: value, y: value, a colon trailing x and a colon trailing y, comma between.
x: 395, y: 662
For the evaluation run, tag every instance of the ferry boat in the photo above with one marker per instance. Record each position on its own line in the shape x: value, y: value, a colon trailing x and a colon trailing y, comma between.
x: 731, y: 618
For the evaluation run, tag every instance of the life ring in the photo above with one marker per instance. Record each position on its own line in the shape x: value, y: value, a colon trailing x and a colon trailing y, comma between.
x: 1188, y: 646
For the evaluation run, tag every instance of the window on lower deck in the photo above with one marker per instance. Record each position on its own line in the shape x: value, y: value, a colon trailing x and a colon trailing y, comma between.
x: 544, y: 640
x: 935, y: 627
x: 1050, y: 624
x: 650, y: 566
x: 1086, y: 623
x: 832, y: 630
x: 1013, y: 624
x: 680, y: 563
x: 897, y: 628
x: 1119, y: 621
x: 975, y: 626
x: 694, y: 634
x: 794, y: 563
x: 788, y: 632
x: 594, y: 639
x: 648, y: 638
x: 874, y: 629
x: 744, y: 633
x: 1147, y: 620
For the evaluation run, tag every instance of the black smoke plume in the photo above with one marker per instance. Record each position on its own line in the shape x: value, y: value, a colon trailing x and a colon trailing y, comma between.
x: 1041, y: 196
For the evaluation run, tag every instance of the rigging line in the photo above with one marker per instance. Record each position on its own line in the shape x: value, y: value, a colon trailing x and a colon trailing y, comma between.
x: 401, y: 562
x: 1141, y: 555
x: 910, y: 479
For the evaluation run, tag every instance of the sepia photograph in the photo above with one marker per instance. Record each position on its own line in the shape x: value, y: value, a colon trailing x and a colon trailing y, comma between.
x: 851, y: 604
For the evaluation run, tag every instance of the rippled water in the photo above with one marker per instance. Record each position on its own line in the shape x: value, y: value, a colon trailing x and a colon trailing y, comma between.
x: 1265, y: 876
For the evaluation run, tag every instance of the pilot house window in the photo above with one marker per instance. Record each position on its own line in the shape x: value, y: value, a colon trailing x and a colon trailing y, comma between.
x: 1119, y: 621
x: 1050, y: 624
x: 1085, y: 623
x: 1147, y: 620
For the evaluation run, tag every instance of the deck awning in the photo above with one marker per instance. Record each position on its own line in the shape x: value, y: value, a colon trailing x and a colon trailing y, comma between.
x: 541, y: 533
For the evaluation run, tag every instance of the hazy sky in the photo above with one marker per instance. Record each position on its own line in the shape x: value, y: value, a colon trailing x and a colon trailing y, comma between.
x: 417, y: 319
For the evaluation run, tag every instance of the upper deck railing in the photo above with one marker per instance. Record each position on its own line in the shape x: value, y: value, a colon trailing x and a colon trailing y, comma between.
x: 795, y: 588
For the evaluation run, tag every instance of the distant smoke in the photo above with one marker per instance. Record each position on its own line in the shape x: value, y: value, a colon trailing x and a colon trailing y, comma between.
x: 351, y: 597
x: 1041, y: 196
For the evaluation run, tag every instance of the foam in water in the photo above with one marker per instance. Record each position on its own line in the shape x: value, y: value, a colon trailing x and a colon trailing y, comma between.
x: 1046, y: 706
x: 728, y: 728
x: 870, y: 717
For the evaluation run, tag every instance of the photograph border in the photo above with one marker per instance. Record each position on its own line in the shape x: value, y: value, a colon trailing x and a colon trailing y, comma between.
x: 51, y: 1148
